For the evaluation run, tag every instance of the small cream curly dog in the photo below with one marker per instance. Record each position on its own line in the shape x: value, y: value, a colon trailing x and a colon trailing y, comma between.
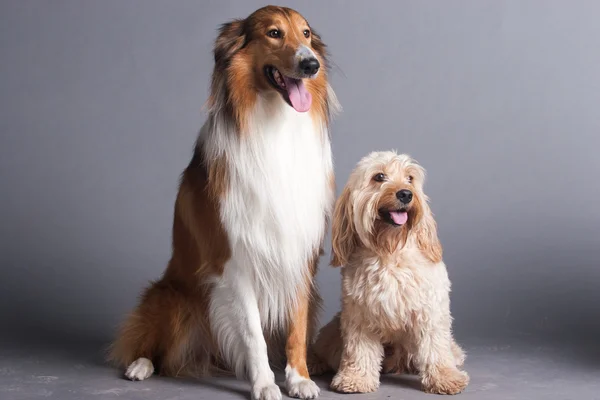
x: 395, y: 287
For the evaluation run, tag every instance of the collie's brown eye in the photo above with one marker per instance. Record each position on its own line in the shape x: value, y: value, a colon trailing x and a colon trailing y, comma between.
x: 379, y: 177
x: 274, y: 33
x: 306, y: 33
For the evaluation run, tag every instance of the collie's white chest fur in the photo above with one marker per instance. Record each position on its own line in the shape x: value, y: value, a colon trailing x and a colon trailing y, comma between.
x: 278, y: 198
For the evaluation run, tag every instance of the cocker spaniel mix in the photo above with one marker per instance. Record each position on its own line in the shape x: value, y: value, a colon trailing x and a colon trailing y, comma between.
x: 395, y: 289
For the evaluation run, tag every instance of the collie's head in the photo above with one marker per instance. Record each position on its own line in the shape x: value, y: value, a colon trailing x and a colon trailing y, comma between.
x: 382, y: 208
x: 273, y: 53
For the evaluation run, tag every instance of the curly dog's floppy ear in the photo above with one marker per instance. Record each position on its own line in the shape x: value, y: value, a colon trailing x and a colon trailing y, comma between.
x: 231, y: 38
x: 343, y: 235
x: 427, y: 237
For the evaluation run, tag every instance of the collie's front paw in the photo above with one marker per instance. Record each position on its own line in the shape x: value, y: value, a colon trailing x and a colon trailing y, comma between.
x: 266, y: 392
x: 353, y: 383
x: 300, y: 385
x: 302, y: 388
x: 446, y: 381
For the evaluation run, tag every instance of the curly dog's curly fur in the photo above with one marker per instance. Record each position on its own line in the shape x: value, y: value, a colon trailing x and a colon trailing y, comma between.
x: 395, y: 289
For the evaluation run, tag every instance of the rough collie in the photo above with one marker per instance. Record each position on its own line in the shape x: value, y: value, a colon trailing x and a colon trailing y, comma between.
x: 395, y: 287
x: 239, y: 293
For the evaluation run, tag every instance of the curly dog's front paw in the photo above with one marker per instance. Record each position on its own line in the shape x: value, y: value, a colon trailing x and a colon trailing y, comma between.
x: 446, y: 381
x: 345, y: 382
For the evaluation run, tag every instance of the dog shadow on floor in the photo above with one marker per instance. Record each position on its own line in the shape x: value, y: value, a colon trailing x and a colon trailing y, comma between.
x: 406, y: 381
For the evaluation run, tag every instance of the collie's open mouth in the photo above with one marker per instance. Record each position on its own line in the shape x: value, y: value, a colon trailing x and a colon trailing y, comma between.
x: 293, y: 89
x: 394, y: 217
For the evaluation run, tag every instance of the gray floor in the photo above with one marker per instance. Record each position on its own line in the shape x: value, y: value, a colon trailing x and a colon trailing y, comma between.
x: 519, y: 370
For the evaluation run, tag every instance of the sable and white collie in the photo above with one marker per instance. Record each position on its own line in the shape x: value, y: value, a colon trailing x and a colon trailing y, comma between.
x: 250, y: 218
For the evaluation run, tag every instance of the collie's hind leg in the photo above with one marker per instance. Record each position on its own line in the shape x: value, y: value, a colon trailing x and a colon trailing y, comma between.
x: 236, y: 325
x: 157, y: 331
x: 136, y: 343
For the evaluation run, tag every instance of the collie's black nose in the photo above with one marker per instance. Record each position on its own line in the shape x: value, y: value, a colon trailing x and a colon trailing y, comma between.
x: 404, y: 195
x: 309, y: 66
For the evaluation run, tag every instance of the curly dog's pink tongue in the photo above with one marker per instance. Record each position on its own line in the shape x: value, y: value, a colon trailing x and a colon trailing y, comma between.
x: 399, y: 217
x: 300, y: 98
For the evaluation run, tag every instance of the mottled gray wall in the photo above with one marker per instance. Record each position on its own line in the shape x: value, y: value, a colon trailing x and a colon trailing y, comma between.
x: 100, y: 103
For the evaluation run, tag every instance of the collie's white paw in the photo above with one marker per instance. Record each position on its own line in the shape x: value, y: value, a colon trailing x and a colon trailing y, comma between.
x: 303, y: 389
x: 298, y: 386
x: 267, y: 392
x: 140, y: 369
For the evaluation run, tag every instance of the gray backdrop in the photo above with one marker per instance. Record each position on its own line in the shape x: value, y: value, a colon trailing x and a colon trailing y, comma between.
x: 100, y: 104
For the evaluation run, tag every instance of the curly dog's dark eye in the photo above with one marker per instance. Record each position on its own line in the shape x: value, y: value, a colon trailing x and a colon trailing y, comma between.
x: 410, y: 179
x: 379, y: 177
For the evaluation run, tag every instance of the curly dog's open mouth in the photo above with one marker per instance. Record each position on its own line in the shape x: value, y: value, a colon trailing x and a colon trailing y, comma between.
x: 396, y: 217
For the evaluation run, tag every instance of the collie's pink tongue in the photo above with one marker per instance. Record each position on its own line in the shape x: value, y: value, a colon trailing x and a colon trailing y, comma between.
x: 299, y: 96
x: 399, y: 217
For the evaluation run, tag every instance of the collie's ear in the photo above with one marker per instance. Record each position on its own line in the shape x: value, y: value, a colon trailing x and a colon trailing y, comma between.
x: 343, y: 232
x: 317, y: 44
x: 231, y: 38
x: 427, y: 237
